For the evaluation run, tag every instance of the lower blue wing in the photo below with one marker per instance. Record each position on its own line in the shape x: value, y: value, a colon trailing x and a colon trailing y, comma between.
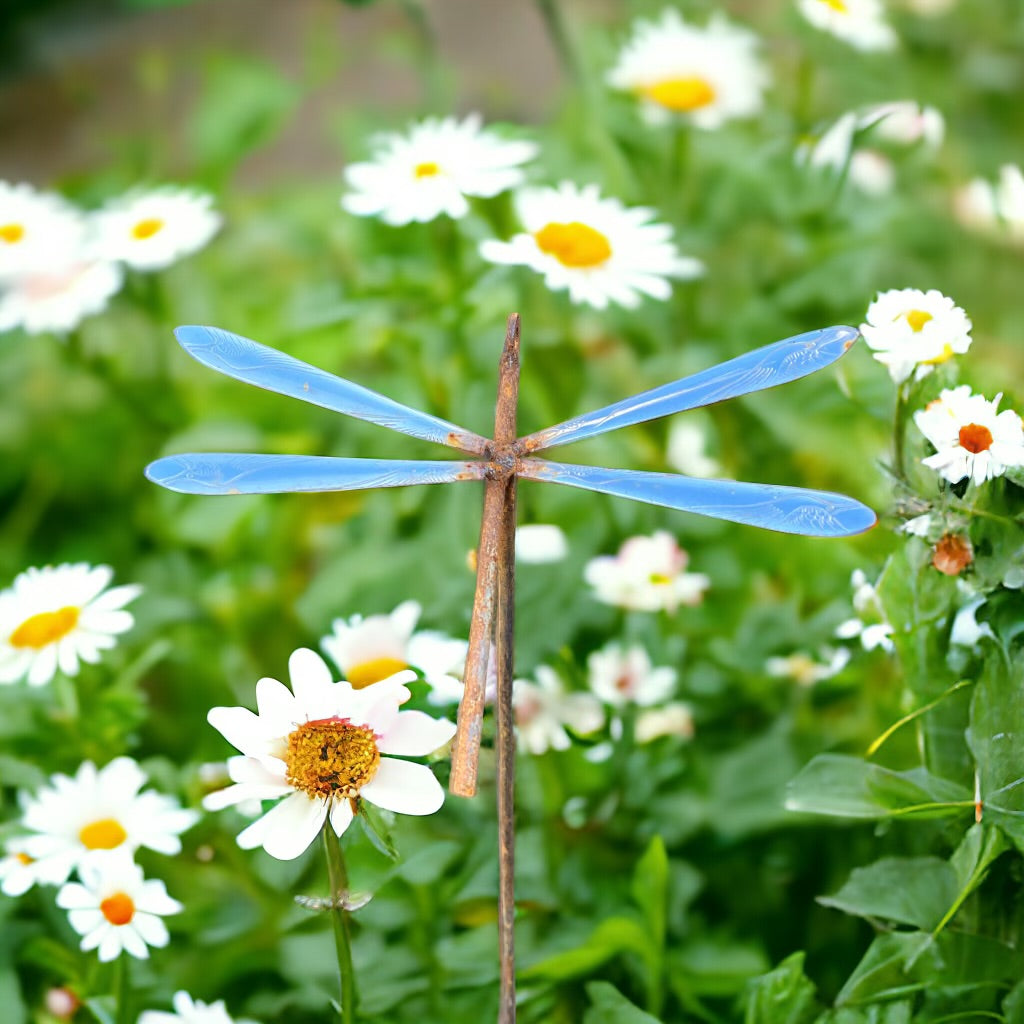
x: 753, y: 371
x: 226, y: 473
x: 785, y: 509
x: 253, y: 363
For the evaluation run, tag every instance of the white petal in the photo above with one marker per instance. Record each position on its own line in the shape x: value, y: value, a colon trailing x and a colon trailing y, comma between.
x: 415, y: 733
x: 287, y: 829
x: 341, y: 816
x: 404, y: 787
x: 309, y: 674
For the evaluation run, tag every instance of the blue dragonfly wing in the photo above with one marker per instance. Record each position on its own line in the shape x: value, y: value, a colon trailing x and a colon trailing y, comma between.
x: 771, y: 507
x: 753, y: 371
x: 268, y: 368
x: 233, y: 473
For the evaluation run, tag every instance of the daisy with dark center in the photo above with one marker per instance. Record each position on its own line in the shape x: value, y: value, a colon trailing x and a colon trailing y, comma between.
x: 324, y: 746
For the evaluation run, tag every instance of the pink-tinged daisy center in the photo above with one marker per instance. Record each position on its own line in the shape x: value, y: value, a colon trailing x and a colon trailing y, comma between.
x: 917, y: 318
x: 331, y: 757
x: 11, y: 233
x: 46, y: 628
x: 573, y: 244
x: 118, y: 909
x: 681, y: 94
x: 105, y: 834
x: 427, y: 169
x: 975, y: 438
x: 147, y: 228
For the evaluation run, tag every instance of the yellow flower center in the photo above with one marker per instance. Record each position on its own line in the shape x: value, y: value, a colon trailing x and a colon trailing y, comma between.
x: 975, y: 438
x: 681, y: 94
x: 573, y: 244
x: 373, y: 671
x: 331, y: 757
x: 147, y: 228
x: 118, y: 909
x: 105, y: 834
x: 11, y: 233
x: 839, y: 6
x: 946, y: 353
x: 659, y: 578
x: 23, y: 858
x: 917, y: 318
x: 427, y: 169
x: 46, y: 628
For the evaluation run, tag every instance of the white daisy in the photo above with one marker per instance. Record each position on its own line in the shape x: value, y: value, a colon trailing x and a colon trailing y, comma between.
x: 861, y: 23
x: 673, y: 719
x: 598, y: 249
x: 367, y: 650
x: 996, y: 210
x: 907, y: 329
x: 98, y: 810
x: 18, y: 871
x: 432, y: 169
x: 319, y: 745
x: 708, y: 75
x: 648, y: 574
x: 867, y: 604
x: 906, y: 123
x: 805, y: 670
x: 624, y: 675
x: 540, y: 543
x: 58, y: 299
x: 966, y: 631
x: 37, y: 230
x: 152, y: 229
x: 115, y: 909
x: 971, y: 437
x: 52, y: 617
x: 543, y: 710
x: 191, y: 1011
x: 687, y: 449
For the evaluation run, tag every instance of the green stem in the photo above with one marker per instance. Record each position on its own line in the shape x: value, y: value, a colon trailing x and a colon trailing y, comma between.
x: 121, y: 989
x: 66, y: 692
x: 431, y: 66
x: 899, y: 430
x: 558, y: 32
x: 337, y: 877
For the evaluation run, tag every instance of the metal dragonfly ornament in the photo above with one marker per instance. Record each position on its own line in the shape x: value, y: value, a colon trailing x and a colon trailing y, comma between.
x: 499, y: 462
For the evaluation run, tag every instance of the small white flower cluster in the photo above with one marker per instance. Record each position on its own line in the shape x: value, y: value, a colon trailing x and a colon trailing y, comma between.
x: 60, y: 264
x: 870, y: 624
x: 91, y: 824
x: 191, y: 1011
x: 996, y: 210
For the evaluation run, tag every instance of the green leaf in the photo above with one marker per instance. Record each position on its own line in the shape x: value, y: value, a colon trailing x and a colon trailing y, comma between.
x: 970, y: 863
x: 884, y: 972
x: 609, y: 1006
x: 611, y: 938
x: 1013, y: 1004
x: 711, y: 966
x: 650, y: 888
x: 782, y: 996
x: 877, y: 1013
x: 15, y: 1011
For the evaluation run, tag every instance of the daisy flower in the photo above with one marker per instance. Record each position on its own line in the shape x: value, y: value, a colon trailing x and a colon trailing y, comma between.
x: 994, y: 209
x: 708, y: 75
x: 861, y: 23
x: 972, y: 439
x: 686, y: 451
x: 866, y: 604
x: 191, y: 1011
x: 115, y: 909
x: 432, y: 169
x: 673, y: 719
x: 34, y: 228
x: 624, y: 675
x: 543, y: 711
x: 58, y: 299
x: 540, y: 543
x: 907, y: 329
x: 148, y: 230
x: 371, y: 649
x: 52, y: 617
x: 320, y: 746
x: 805, y: 670
x: 98, y: 810
x: 598, y: 249
x: 648, y: 574
x: 18, y: 871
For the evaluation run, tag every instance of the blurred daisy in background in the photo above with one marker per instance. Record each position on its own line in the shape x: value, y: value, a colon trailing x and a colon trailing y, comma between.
x: 431, y: 170
x: 599, y: 250
x: 994, y: 209
x: 910, y: 330
x: 540, y: 544
x: 149, y: 230
x: 38, y: 230
x: 648, y: 574
x: 59, y: 299
x: 544, y: 711
x: 191, y: 1011
x: 867, y: 606
x: 116, y: 909
x: 54, y: 616
x: 861, y: 23
x: 320, y: 745
x: 972, y: 439
x: 97, y: 810
x: 706, y: 75
x: 686, y: 450
x: 672, y: 719
x: 18, y: 871
x: 805, y: 670
x: 620, y: 675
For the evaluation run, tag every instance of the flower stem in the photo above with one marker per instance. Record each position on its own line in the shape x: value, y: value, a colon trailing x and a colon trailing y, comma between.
x: 899, y: 429
x: 121, y: 989
x: 337, y: 877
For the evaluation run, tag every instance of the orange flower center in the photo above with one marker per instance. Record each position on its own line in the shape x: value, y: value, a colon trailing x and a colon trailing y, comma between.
x: 574, y: 244
x: 373, y: 671
x: 147, y: 228
x: 917, y: 318
x: 105, y: 834
x: 975, y: 438
x: 118, y: 909
x: 11, y: 233
x: 681, y: 94
x: 331, y: 757
x: 45, y: 628
x: 427, y: 169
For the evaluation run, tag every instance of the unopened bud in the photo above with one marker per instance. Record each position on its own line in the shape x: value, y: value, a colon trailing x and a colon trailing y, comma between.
x: 952, y: 554
x: 62, y: 1003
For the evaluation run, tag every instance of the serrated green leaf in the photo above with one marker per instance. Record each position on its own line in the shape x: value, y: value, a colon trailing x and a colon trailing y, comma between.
x: 609, y: 1006
x: 784, y: 995
x: 886, y: 970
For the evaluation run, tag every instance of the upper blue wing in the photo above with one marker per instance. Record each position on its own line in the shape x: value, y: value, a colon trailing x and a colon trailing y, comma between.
x: 772, y: 507
x: 227, y: 473
x: 268, y: 368
x: 753, y: 371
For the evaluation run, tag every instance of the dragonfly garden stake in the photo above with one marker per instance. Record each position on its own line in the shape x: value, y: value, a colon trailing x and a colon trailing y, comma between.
x: 499, y: 462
